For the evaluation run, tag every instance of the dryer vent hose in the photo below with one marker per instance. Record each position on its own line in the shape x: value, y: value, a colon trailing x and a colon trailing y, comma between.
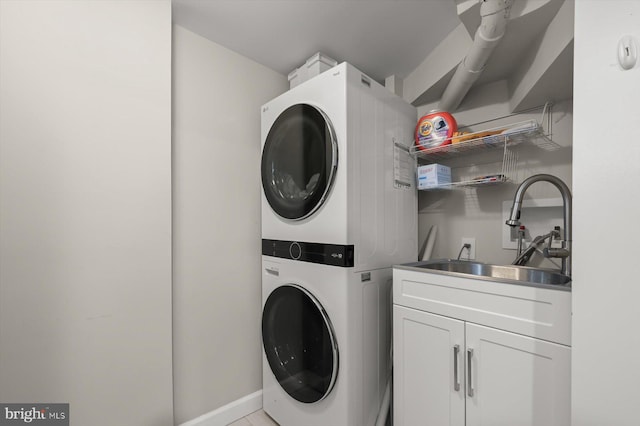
x: 429, y: 241
x: 384, y: 407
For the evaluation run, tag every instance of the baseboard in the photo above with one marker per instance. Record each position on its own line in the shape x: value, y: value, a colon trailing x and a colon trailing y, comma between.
x: 229, y: 413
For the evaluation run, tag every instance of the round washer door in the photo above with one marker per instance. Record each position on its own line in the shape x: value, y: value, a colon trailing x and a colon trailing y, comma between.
x: 299, y: 161
x: 299, y: 343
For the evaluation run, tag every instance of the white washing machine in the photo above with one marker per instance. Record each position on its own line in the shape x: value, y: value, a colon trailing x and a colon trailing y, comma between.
x: 326, y: 336
x: 336, y: 171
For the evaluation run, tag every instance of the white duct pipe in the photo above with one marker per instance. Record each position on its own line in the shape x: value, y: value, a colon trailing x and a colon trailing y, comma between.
x: 495, y: 14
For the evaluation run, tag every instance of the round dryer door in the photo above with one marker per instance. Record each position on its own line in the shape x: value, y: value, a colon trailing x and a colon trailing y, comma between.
x: 299, y: 343
x: 299, y: 161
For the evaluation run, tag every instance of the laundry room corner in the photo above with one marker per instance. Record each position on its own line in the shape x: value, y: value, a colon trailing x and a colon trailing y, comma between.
x: 217, y: 96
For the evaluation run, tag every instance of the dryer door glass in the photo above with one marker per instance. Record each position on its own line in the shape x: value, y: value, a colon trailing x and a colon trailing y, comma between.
x: 299, y: 161
x: 299, y: 343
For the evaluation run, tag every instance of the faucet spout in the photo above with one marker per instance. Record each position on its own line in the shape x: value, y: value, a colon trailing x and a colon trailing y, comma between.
x: 514, y: 218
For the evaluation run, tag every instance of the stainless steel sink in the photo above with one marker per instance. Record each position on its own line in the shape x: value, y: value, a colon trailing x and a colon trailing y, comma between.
x: 511, y: 273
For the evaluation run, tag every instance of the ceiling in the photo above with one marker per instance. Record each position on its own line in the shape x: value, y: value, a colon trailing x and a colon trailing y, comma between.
x: 380, y: 37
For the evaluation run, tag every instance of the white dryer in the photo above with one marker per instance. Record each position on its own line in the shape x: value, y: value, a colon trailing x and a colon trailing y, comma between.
x: 326, y: 336
x: 336, y: 171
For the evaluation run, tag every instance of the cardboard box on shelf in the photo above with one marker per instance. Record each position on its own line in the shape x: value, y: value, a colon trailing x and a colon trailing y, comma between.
x: 432, y: 175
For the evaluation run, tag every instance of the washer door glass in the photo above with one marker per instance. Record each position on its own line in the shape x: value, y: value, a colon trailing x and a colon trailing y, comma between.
x: 299, y: 343
x: 299, y: 161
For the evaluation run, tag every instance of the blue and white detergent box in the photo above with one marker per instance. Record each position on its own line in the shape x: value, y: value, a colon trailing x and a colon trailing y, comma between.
x: 432, y: 175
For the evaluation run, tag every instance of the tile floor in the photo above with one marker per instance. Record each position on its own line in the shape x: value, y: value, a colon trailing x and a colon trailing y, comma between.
x: 258, y: 418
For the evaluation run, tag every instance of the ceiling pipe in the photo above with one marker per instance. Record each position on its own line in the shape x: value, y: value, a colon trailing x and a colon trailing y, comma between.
x: 495, y: 14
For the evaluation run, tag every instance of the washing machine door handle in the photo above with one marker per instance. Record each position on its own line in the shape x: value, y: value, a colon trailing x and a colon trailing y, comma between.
x: 300, y: 343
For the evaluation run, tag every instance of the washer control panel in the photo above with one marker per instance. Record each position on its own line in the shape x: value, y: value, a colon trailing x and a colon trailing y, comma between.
x: 327, y: 254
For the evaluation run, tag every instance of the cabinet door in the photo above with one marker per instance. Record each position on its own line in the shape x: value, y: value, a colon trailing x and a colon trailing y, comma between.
x: 515, y: 380
x: 428, y: 369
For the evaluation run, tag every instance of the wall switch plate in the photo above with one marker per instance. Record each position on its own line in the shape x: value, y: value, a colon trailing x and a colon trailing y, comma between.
x: 470, y: 253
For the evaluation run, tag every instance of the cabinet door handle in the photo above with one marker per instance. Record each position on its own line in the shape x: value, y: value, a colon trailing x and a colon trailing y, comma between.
x: 469, y: 380
x: 456, y: 377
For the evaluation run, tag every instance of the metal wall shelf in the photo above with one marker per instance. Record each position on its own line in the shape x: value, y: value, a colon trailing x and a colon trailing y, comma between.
x: 523, y: 132
x: 501, y: 143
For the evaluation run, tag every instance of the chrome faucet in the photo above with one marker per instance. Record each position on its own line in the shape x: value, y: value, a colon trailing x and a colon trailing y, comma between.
x: 514, y: 219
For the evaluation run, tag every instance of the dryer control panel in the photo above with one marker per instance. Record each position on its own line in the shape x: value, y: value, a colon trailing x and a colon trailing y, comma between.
x: 327, y: 254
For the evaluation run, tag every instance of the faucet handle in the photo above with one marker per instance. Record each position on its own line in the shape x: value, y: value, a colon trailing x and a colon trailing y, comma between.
x: 556, y: 252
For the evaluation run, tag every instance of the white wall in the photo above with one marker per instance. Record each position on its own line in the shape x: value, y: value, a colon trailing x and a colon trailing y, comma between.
x: 606, y: 347
x: 477, y: 211
x: 216, y: 190
x: 85, y: 208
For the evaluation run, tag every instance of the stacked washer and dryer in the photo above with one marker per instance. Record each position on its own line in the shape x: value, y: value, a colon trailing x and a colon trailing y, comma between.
x: 335, y: 219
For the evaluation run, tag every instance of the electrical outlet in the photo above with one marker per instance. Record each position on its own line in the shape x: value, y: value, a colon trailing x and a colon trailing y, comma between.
x: 470, y: 253
x: 557, y: 241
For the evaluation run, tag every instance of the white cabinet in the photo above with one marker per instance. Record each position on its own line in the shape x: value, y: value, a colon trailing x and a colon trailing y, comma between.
x: 456, y: 371
x: 515, y: 380
x: 428, y: 381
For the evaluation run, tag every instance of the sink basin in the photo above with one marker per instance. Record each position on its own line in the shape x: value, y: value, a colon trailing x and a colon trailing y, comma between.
x: 519, y: 274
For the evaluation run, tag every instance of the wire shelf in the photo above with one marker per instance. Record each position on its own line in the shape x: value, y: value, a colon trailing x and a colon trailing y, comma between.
x: 523, y: 132
x: 497, y: 141
x: 480, y: 181
x: 507, y: 174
